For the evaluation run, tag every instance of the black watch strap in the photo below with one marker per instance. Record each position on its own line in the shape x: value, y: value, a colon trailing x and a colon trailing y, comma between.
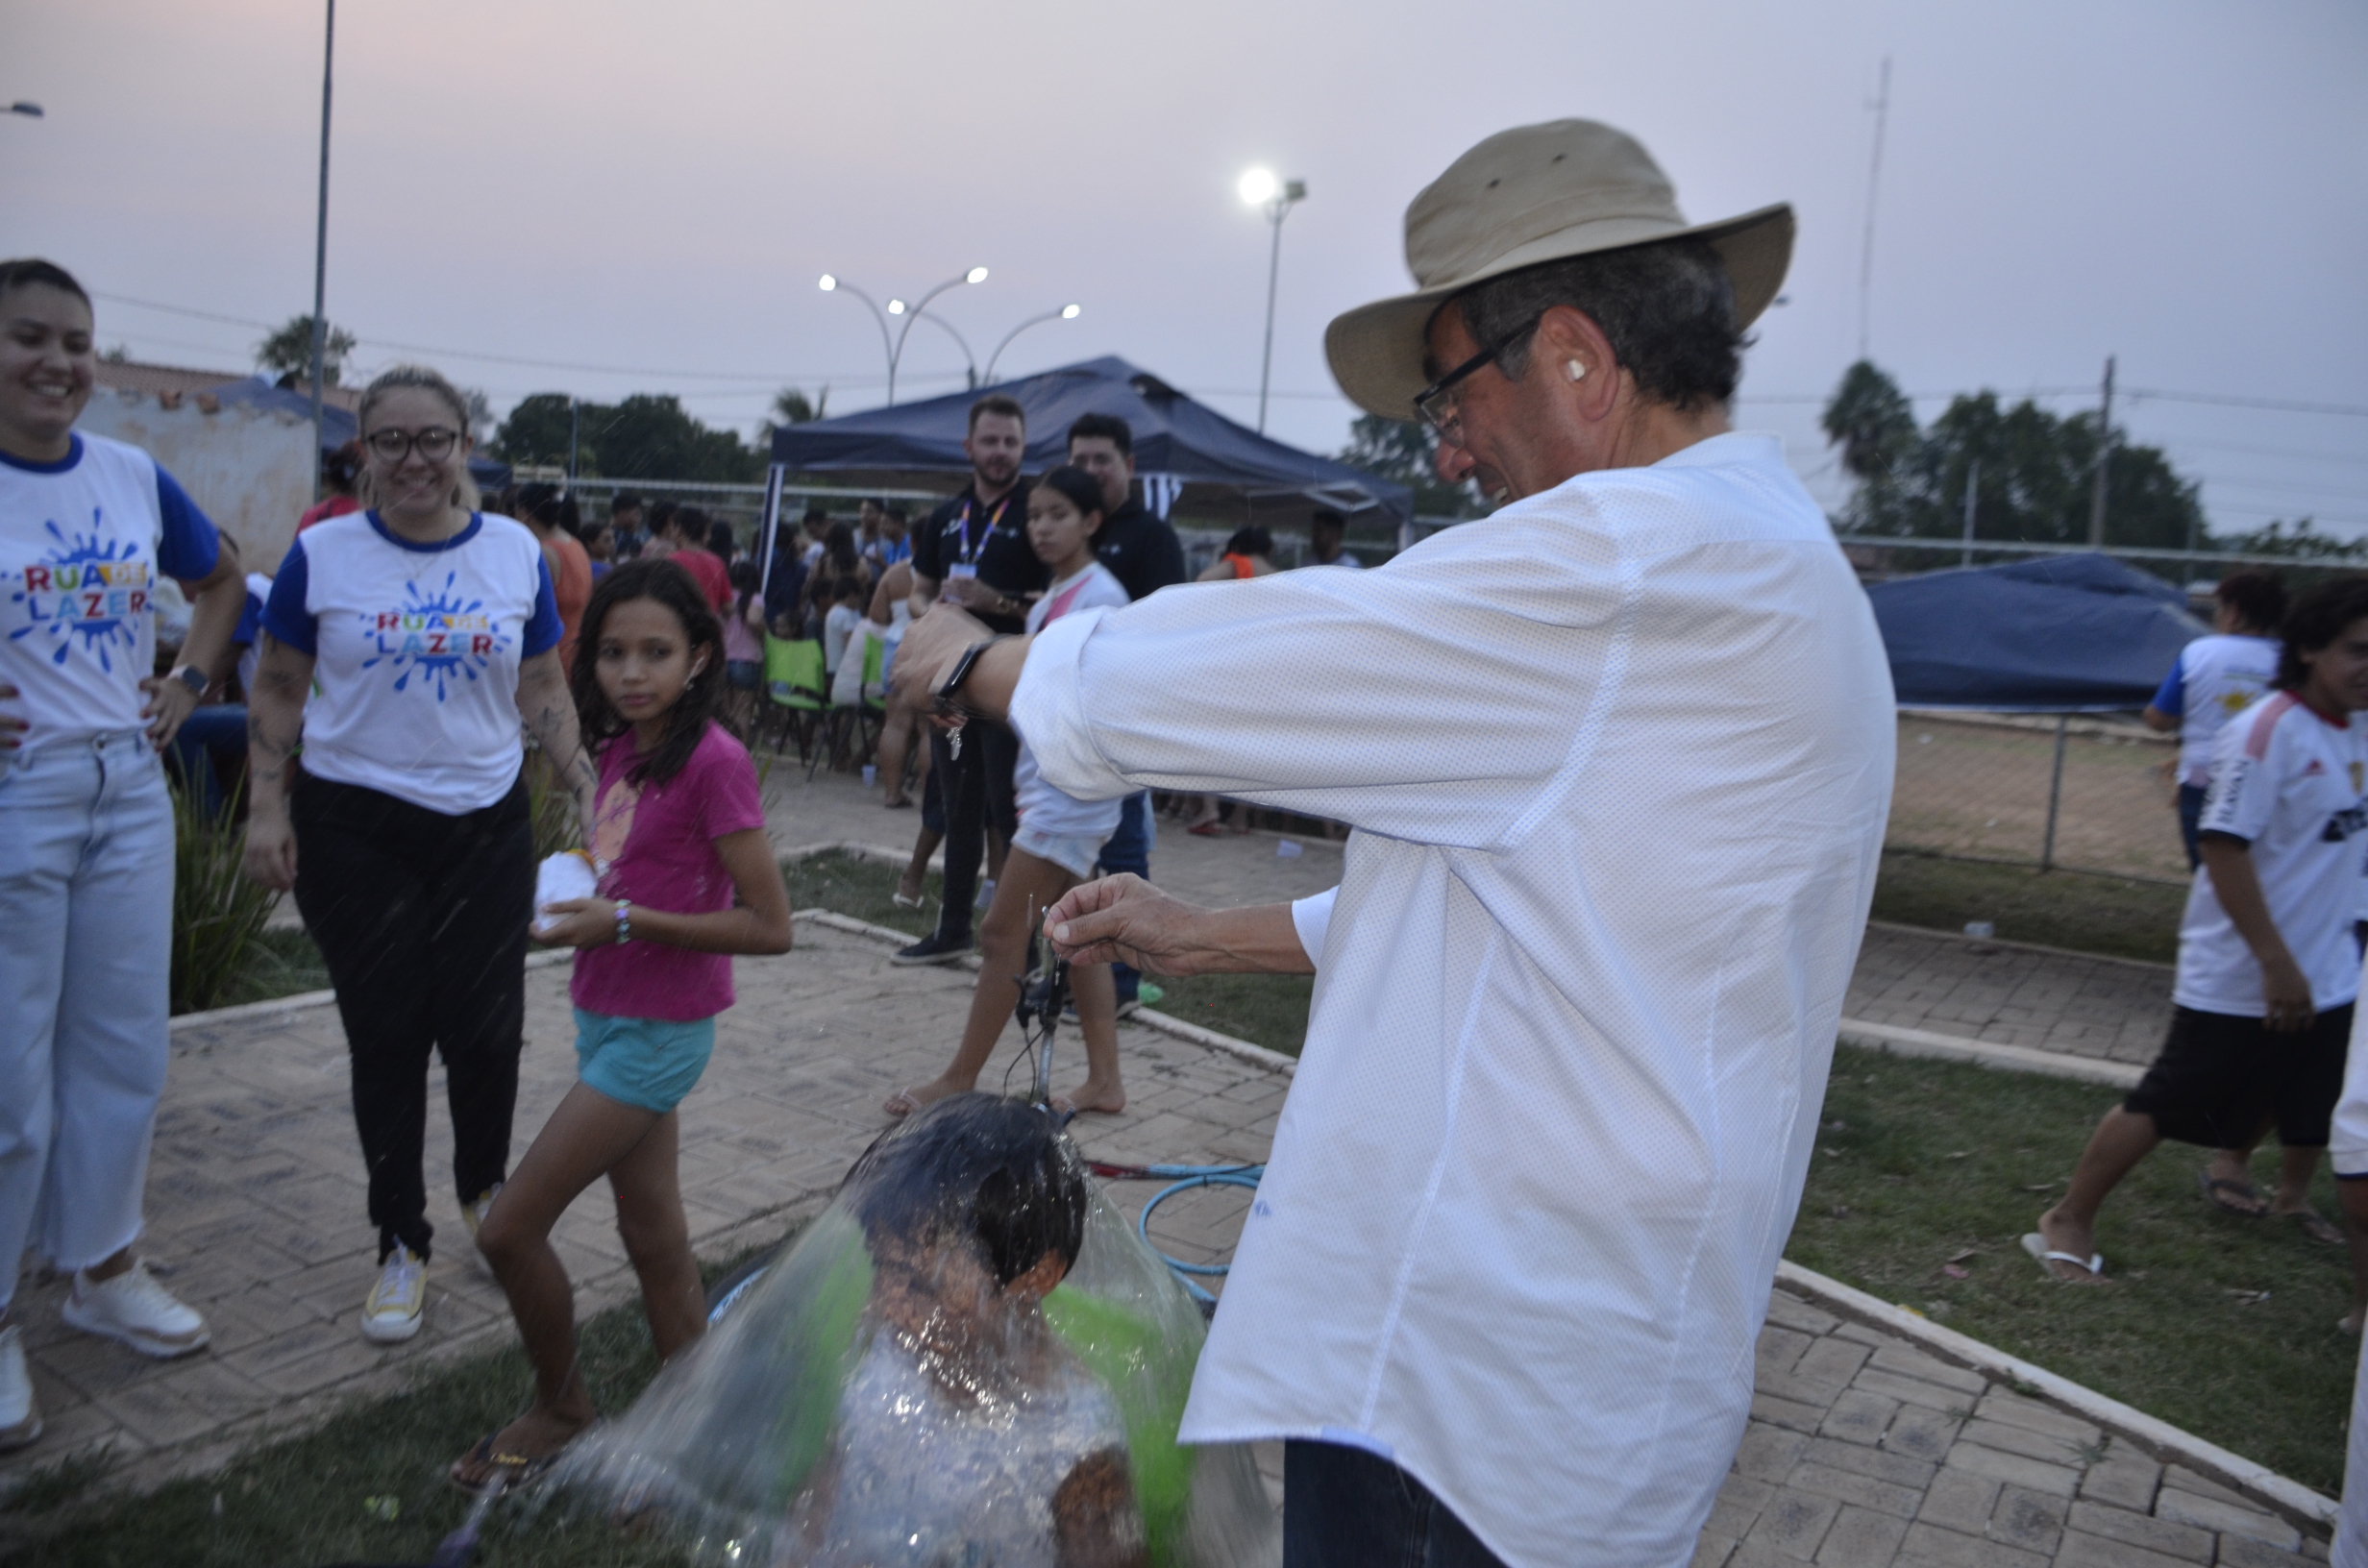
x: 962, y: 669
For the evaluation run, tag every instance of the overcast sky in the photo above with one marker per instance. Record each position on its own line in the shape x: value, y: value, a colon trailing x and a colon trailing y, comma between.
x: 656, y: 188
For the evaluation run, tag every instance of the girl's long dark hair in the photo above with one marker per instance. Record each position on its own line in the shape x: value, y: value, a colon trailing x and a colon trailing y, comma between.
x: 701, y: 701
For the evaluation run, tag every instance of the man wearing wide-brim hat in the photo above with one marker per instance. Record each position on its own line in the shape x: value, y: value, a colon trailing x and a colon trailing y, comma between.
x: 1617, y: 759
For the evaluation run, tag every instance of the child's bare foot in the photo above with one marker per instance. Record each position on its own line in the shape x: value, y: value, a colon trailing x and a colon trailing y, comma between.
x: 1108, y: 1098
x: 519, y: 1452
x: 901, y: 1105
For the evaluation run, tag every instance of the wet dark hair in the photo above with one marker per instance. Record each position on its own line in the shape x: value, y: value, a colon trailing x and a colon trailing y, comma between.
x: 1107, y: 427
x: 976, y: 1168
x: 2258, y: 598
x: 2317, y: 620
x: 701, y: 701
x: 1078, y: 488
x: 1250, y: 541
x: 31, y: 272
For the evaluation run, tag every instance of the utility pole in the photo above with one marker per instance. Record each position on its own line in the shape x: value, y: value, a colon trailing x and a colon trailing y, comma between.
x: 572, y: 408
x: 2105, y: 459
x: 1973, y: 483
x: 1874, y: 176
x: 320, y: 248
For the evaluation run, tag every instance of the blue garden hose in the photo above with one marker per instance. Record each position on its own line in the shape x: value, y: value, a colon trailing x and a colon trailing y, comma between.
x: 1188, y: 1178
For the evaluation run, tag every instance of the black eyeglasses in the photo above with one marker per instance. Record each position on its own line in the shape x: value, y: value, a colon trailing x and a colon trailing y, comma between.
x: 1436, y: 402
x: 435, y: 443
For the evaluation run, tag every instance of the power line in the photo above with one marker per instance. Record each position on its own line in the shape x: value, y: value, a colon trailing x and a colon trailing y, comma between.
x: 2282, y: 405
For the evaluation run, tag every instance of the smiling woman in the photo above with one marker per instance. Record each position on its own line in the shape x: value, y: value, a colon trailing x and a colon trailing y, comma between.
x: 87, y: 526
x: 427, y: 633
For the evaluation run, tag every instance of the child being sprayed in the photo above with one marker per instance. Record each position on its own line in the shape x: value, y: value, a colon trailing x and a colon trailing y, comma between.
x: 678, y: 835
x: 968, y: 1431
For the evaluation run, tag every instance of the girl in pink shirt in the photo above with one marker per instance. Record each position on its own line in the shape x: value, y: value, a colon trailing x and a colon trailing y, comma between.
x: 679, y: 831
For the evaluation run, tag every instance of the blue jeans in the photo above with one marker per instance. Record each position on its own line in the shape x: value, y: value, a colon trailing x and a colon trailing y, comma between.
x: 1344, y: 1508
x: 219, y: 731
x: 1129, y: 849
x: 86, y: 964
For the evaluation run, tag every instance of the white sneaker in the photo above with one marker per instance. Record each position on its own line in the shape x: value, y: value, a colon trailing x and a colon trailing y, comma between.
x: 133, y: 1308
x: 473, y: 1216
x: 20, y: 1419
x: 393, y: 1311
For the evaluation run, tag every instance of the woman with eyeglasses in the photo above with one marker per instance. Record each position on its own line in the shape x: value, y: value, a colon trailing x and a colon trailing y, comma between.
x: 428, y: 634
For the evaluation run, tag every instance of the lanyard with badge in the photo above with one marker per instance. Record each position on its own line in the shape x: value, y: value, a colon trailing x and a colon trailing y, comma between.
x: 965, y: 563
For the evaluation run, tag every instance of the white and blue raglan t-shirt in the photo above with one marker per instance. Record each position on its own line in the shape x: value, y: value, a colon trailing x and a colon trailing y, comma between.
x: 83, y: 541
x: 415, y: 650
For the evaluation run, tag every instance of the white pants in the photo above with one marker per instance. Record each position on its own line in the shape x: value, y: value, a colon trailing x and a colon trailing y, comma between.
x: 86, y: 961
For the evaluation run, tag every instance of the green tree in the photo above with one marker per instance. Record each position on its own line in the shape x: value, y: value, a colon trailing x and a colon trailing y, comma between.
x: 288, y: 351
x: 2303, y: 543
x: 791, y: 406
x: 2033, y: 473
x: 1406, y: 452
x: 647, y: 437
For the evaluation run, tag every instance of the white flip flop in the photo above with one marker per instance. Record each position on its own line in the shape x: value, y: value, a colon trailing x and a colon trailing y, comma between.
x: 2035, y: 1244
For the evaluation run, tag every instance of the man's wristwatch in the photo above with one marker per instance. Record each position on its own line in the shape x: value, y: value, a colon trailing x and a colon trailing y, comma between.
x: 194, y: 679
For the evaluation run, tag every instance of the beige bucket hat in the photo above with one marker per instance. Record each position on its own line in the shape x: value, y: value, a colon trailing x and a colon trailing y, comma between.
x: 1535, y: 193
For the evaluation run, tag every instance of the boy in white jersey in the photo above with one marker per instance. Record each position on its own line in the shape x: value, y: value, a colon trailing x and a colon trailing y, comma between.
x: 2268, y: 966
x: 2214, y: 679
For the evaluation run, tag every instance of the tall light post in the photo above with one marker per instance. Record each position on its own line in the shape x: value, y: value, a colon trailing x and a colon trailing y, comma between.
x: 893, y: 343
x: 1260, y: 189
x: 320, y: 247
x: 1067, y: 312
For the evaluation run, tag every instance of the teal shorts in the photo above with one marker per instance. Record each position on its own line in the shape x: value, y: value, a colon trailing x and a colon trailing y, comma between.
x: 650, y: 1062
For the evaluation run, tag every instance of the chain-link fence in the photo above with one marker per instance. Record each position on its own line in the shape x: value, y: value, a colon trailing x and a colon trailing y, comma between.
x: 2084, y: 792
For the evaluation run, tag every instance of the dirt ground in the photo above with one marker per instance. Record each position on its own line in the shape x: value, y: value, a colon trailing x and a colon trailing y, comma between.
x: 1979, y: 787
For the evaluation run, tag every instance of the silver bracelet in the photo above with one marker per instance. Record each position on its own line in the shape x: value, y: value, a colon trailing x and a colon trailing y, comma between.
x: 624, y: 921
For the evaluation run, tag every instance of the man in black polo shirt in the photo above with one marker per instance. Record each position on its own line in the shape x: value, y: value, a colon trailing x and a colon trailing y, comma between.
x: 1144, y: 554
x: 974, y: 552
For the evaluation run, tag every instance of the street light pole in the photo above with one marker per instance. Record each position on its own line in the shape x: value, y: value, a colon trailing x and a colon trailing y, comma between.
x: 1067, y: 312
x: 894, y: 343
x: 320, y: 246
x: 961, y: 342
x: 1260, y: 189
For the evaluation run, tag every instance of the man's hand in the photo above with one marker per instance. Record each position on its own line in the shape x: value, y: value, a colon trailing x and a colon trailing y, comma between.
x: 1124, y: 919
x: 970, y: 593
x: 2286, y: 995
x: 170, y: 702
x: 933, y: 645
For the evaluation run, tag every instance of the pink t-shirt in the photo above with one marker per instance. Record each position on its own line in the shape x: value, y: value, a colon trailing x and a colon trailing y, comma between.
x: 659, y: 843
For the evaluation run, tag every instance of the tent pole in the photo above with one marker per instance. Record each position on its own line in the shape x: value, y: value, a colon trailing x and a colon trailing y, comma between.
x: 769, y: 525
x: 2055, y: 796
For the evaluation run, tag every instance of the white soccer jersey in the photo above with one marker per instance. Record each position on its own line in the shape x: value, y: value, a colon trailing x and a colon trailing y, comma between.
x: 2294, y: 786
x: 2214, y: 679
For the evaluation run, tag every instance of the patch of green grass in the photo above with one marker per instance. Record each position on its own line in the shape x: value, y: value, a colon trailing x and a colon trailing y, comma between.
x: 1921, y: 1165
x: 862, y: 887
x: 369, y: 1487
x: 2109, y: 915
x: 1268, y: 1010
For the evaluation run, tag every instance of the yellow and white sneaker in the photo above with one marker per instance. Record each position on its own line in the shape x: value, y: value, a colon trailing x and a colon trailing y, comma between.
x: 398, y: 1303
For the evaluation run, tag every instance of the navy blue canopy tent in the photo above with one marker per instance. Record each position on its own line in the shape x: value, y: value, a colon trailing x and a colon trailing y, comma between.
x: 1183, y: 447
x: 2059, y: 634
x: 337, y: 425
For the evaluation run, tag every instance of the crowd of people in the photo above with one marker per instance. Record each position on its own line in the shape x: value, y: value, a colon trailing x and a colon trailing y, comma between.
x: 1655, y: 647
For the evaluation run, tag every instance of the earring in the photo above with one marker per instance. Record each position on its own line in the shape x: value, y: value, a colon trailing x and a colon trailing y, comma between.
x: 1576, y: 371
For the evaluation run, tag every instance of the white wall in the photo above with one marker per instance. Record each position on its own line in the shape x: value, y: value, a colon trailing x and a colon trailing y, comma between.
x: 250, y: 470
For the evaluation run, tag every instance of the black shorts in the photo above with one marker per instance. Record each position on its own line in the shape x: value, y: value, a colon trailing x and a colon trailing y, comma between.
x: 2219, y: 1078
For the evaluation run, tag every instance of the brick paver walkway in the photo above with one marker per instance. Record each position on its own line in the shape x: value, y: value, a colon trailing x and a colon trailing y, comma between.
x: 2011, y: 995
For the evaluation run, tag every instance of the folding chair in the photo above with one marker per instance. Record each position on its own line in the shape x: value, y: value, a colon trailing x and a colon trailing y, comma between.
x: 866, y: 716
x: 793, y: 688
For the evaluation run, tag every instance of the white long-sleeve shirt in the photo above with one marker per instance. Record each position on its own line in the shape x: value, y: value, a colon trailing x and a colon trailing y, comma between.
x: 1618, y: 760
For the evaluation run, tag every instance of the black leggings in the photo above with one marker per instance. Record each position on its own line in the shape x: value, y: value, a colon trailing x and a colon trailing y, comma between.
x: 422, y: 919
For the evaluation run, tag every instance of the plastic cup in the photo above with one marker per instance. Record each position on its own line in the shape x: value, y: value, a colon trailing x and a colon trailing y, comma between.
x: 871, y: 775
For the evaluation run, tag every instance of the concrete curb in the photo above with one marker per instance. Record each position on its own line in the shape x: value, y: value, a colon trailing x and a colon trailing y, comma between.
x: 1922, y: 1043
x: 2160, y: 1438
x: 2043, y: 949
x: 303, y: 999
